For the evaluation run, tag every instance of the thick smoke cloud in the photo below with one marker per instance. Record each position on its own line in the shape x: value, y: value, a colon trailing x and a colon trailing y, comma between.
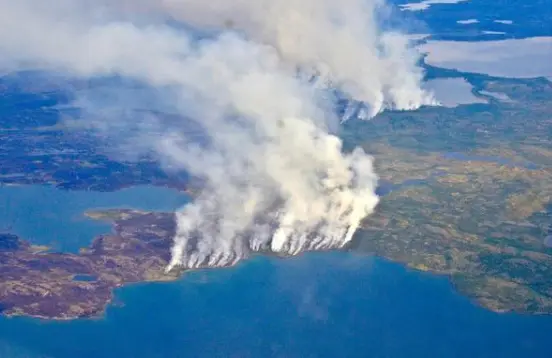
x: 338, y: 40
x: 276, y: 178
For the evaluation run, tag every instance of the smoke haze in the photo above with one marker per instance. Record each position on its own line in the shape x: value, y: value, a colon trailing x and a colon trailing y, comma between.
x: 256, y: 85
x: 339, y: 40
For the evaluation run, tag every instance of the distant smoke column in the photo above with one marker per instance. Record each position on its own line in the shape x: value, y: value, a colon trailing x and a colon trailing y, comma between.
x: 340, y: 40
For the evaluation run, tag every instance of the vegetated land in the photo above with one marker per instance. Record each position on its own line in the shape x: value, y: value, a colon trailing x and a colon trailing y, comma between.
x: 470, y: 195
x: 465, y: 193
x: 47, y: 285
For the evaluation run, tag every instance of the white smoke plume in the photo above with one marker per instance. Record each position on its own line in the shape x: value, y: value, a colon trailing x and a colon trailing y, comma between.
x: 339, y: 40
x: 276, y: 178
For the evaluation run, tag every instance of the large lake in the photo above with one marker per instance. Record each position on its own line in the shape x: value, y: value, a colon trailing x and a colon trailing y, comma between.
x: 315, y: 305
x: 45, y: 215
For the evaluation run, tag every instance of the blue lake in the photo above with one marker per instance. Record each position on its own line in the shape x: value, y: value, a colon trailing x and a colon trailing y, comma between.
x: 315, y: 305
x: 45, y: 215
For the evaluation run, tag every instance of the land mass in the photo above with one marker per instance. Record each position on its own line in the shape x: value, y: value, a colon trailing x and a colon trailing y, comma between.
x: 53, y: 285
x: 469, y: 194
x: 466, y: 192
x: 56, y: 285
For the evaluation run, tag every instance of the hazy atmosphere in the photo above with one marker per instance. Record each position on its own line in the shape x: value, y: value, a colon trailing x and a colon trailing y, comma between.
x: 259, y: 87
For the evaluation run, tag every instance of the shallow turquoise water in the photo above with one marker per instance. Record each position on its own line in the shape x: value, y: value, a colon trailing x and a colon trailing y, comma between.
x: 315, y: 305
x: 49, y: 216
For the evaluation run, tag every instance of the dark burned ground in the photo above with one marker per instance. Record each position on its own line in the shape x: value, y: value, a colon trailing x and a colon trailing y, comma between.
x: 56, y: 285
x: 43, y: 284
